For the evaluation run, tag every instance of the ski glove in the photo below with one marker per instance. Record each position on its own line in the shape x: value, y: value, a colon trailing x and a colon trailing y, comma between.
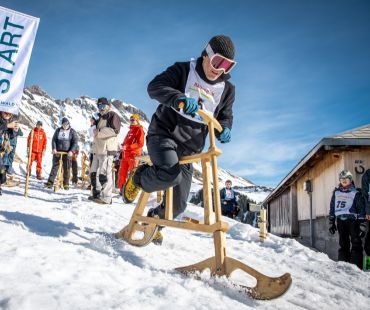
x: 333, y: 227
x: 363, y: 229
x: 225, y: 135
x: 190, y: 105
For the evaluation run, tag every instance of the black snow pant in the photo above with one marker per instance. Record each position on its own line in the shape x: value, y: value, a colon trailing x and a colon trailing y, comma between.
x: 74, y: 171
x: 167, y: 172
x: 367, y: 244
x: 55, y: 166
x: 350, y: 243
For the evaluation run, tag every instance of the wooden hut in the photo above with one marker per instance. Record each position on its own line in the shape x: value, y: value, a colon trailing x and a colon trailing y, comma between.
x: 299, y: 205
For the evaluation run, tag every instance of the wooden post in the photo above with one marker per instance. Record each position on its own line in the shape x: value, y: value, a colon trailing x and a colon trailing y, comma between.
x: 59, y: 177
x: 169, y: 204
x: 262, y: 224
x: 28, y: 164
x: 207, y: 194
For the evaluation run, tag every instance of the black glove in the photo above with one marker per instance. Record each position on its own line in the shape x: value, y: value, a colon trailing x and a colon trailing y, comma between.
x: 363, y: 229
x: 333, y: 227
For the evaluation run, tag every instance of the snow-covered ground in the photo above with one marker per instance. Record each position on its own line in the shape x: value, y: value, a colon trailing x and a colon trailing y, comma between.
x: 57, y: 252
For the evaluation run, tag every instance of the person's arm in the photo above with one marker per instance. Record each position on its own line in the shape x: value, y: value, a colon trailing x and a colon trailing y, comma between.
x: 74, y: 141
x: 360, y: 205
x: 112, y: 129
x: 225, y: 115
x: 365, y: 188
x: 165, y: 86
x: 332, y: 207
x: 44, y: 141
x: 54, y: 140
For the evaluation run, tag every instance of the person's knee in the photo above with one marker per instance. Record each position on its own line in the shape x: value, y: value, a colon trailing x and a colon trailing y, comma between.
x: 171, y: 175
x: 103, y: 179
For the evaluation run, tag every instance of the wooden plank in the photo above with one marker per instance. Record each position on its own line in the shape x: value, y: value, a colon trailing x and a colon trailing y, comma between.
x: 169, y: 204
x: 222, y: 226
x: 207, y: 193
x: 220, y: 252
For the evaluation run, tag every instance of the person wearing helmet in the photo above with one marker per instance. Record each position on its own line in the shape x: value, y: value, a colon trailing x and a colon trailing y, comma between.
x: 175, y: 129
x: 347, y: 212
x: 131, y: 147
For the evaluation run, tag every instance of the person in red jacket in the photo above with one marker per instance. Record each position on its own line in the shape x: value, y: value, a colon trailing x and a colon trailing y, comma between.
x: 38, y: 148
x: 131, y: 147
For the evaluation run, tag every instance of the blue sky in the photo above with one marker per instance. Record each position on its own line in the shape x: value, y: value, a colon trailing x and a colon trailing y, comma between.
x: 303, y: 67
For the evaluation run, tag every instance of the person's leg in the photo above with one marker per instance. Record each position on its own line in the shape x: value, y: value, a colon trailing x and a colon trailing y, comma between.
x: 33, y: 157
x: 165, y: 172
x: 367, y: 244
x: 93, y: 176
x: 74, y: 171
x: 122, y: 172
x: 344, y: 243
x: 106, y: 179
x: 66, y: 170
x: 54, y: 168
x: 356, y: 243
x: 38, y: 157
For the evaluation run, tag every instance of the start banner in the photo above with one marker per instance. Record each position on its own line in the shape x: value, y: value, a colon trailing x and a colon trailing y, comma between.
x: 17, y: 34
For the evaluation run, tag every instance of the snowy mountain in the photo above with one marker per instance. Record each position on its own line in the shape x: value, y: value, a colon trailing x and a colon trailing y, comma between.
x: 38, y: 105
x: 57, y: 252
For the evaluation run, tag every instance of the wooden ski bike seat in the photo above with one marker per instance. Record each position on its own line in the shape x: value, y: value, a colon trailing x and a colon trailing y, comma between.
x: 219, y: 265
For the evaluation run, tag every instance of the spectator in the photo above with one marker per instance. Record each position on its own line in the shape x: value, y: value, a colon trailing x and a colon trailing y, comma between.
x: 131, y: 147
x: 65, y: 139
x: 229, y: 205
x: 104, y: 148
x: 6, y: 122
x: 347, y: 212
x: 365, y: 226
x: 38, y: 148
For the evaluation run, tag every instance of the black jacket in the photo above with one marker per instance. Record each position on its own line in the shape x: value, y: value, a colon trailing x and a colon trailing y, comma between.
x: 365, y: 187
x: 169, y: 86
x: 65, y: 145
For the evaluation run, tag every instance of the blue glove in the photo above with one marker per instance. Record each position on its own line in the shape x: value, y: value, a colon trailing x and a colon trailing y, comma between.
x: 190, y: 105
x: 225, y: 135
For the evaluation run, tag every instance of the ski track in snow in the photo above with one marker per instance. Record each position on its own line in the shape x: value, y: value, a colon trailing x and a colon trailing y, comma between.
x: 57, y: 252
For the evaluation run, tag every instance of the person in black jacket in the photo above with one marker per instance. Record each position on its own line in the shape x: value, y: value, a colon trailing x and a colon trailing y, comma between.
x: 65, y: 139
x: 347, y: 209
x: 6, y: 123
x: 229, y: 205
x: 365, y: 187
x: 175, y: 132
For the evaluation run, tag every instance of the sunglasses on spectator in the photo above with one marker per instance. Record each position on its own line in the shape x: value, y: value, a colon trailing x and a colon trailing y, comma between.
x: 132, y: 120
x: 102, y: 106
x: 219, y: 62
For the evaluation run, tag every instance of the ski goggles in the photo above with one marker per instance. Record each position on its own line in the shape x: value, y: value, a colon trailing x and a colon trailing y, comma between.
x: 219, y: 62
x: 102, y: 106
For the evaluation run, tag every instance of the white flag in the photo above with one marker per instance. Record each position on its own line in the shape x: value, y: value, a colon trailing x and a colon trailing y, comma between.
x: 17, y: 34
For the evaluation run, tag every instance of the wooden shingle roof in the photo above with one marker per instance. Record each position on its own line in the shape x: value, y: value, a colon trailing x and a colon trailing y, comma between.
x: 360, y: 132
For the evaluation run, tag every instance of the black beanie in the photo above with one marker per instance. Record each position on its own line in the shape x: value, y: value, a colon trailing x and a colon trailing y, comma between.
x: 222, y: 45
x: 65, y: 120
x: 103, y: 100
x: 39, y: 123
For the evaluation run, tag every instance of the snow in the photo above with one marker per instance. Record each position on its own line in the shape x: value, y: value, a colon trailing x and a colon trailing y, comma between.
x: 57, y: 252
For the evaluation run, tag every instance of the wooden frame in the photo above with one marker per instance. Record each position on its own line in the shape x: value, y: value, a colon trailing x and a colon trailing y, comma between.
x: 220, y: 264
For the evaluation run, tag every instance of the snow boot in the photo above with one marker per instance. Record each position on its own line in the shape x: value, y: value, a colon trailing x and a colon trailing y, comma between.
x: 1, y: 191
x: 49, y: 184
x: 66, y: 187
x: 130, y: 191
x: 38, y: 176
x: 154, y: 212
x: 95, y: 194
